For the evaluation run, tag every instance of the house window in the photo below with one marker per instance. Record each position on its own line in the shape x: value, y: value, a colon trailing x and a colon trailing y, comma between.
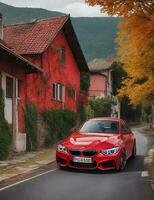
x: 58, y: 92
x: 54, y: 92
x: 9, y: 87
x: 71, y: 92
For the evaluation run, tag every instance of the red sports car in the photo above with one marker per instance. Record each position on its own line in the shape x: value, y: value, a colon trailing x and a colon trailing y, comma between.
x: 101, y: 143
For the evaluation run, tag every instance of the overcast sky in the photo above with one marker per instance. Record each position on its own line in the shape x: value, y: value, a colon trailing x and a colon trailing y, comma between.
x: 77, y: 8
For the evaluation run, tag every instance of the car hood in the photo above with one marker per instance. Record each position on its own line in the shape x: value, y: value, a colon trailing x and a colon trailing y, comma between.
x: 92, y: 141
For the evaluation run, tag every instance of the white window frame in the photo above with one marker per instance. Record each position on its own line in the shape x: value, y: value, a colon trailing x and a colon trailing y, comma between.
x: 63, y: 93
x: 58, y: 88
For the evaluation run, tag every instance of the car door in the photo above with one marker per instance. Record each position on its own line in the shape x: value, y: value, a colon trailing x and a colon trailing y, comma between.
x: 127, y: 139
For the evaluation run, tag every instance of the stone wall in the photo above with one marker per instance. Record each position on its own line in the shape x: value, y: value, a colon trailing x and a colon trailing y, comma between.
x: 43, y: 131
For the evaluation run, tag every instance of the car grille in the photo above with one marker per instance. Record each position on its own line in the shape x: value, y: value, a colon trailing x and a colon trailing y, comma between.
x: 89, y: 153
x: 84, y: 153
x: 83, y: 165
x: 75, y: 152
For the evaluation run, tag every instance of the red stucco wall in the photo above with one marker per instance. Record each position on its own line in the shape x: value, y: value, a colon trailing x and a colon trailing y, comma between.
x: 39, y: 86
x: 98, y: 85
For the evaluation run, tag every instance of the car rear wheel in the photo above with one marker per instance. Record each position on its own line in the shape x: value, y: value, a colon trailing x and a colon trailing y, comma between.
x: 123, y: 161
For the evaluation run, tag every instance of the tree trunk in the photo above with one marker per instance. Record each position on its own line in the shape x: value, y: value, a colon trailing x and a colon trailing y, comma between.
x: 152, y: 121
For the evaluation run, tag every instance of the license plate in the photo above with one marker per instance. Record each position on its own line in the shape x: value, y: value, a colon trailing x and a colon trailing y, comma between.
x: 82, y: 160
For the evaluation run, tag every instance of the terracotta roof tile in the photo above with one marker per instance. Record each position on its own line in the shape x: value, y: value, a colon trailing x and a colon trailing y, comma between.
x: 12, y: 53
x: 3, y: 43
x: 34, y: 37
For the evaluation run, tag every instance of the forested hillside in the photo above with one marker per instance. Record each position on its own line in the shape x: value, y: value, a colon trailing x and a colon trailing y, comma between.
x: 96, y: 35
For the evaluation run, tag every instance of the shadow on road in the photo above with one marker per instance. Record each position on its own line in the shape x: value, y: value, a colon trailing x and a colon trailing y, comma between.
x: 133, y: 165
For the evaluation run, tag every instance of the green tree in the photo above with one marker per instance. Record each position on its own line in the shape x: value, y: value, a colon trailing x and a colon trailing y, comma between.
x: 59, y: 122
x: 31, y: 126
x: 128, y: 112
x: 101, y: 107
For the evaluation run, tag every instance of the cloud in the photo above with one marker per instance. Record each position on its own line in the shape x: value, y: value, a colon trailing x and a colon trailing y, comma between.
x: 77, y: 8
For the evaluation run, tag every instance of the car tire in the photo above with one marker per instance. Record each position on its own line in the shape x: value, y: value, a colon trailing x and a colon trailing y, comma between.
x: 123, y: 161
x: 134, y: 150
x: 62, y: 167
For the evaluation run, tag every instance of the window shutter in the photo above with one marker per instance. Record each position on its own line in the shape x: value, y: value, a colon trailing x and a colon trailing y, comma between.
x: 58, y: 92
x: 55, y: 91
x: 63, y: 93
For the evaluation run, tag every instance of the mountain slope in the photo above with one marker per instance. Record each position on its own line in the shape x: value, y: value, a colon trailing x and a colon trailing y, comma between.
x: 96, y: 35
x: 14, y: 15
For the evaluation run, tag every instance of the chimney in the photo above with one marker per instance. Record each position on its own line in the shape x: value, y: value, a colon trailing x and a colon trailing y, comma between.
x: 1, y: 26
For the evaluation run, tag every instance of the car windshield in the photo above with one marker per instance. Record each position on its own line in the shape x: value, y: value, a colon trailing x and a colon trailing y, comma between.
x: 100, y: 126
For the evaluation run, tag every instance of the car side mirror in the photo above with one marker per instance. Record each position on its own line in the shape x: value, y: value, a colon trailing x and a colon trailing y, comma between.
x: 128, y: 130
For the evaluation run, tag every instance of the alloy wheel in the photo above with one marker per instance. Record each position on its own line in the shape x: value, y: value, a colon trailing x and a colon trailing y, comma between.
x: 123, y: 161
x: 134, y: 150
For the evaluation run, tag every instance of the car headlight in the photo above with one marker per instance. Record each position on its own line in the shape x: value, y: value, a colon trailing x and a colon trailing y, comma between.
x: 61, y: 148
x: 110, y: 151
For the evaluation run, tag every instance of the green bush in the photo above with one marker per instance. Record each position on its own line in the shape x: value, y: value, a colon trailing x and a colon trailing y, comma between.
x: 90, y: 112
x: 82, y: 113
x: 101, y: 107
x: 60, y: 122
x: 85, y: 81
x: 31, y: 126
x: 5, y: 132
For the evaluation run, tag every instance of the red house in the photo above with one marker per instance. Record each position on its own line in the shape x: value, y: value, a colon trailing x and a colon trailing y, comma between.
x: 13, y: 72
x: 101, y: 77
x: 53, y: 47
x: 101, y: 81
x: 98, y: 85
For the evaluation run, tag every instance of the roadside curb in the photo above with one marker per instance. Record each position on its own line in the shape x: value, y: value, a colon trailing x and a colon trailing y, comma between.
x: 149, y: 159
x: 26, y: 172
x: 149, y: 162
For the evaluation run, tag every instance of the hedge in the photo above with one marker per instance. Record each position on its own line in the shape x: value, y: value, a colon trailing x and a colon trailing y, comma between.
x: 101, y: 107
x: 5, y: 131
x: 60, y: 122
x: 31, y: 126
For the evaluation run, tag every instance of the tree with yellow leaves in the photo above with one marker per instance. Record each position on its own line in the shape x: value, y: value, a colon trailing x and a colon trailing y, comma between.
x: 136, y: 46
x: 124, y: 7
x: 136, y: 52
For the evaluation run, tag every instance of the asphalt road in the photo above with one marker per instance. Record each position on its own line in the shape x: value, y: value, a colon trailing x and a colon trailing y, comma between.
x: 89, y: 185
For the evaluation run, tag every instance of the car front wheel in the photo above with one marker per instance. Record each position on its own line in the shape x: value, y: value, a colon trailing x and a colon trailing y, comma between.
x: 123, y: 161
x: 134, y: 150
x: 61, y: 167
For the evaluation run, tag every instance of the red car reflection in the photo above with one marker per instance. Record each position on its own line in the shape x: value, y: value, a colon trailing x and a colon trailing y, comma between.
x: 101, y: 143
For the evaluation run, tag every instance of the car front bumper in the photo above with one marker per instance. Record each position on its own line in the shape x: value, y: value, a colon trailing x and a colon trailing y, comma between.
x: 99, y: 161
